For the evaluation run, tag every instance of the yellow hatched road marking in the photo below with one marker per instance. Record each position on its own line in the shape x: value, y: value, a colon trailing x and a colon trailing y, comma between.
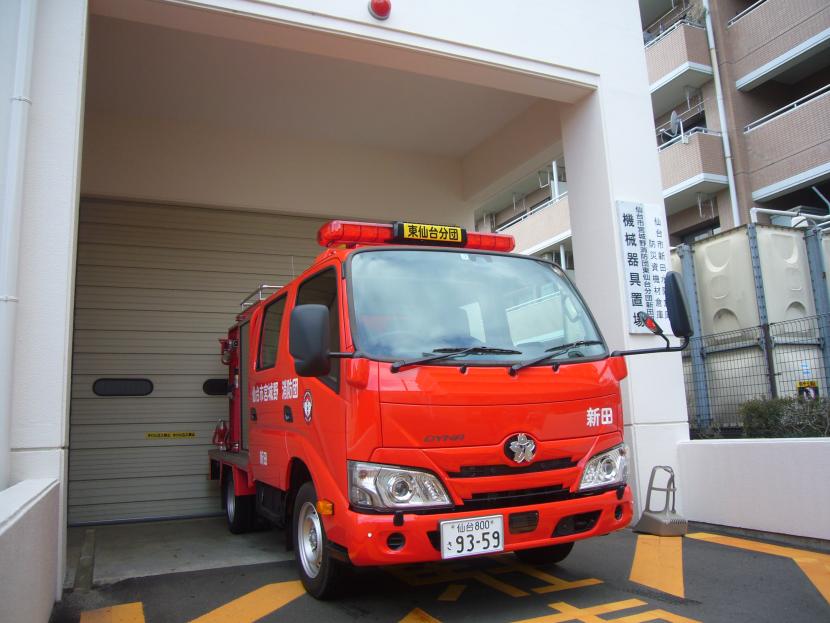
x: 419, y: 616
x: 509, y: 564
x: 814, y: 565
x: 658, y: 563
x: 566, y: 612
x: 452, y: 592
x: 123, y: 613
x: 256, y: 604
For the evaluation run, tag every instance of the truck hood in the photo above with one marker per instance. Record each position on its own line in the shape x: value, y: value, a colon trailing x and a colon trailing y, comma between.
x: 441, y: 407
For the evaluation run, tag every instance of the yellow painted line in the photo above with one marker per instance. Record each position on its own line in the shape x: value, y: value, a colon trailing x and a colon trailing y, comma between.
x: 256, y: 604
x: 567, y: 612
x: 419, y: 616
x: 658, y: 563
x: 122, y: 613
x: 504, y: 587
x: 509, y: 564
x: 815, y: 566
x: 452, y: 592
x: 655, y: 615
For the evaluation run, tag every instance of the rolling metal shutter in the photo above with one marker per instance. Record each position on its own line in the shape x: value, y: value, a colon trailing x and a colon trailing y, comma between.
x: 156, y: 286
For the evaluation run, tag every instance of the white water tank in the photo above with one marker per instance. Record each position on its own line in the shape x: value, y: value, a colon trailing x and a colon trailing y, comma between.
x: 725, y: 285
x: 785, y: 273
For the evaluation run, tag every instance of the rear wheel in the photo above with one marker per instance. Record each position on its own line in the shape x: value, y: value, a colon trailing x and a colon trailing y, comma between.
x: 545, y: 555
x: 239, y: 509
x: 321, y: 575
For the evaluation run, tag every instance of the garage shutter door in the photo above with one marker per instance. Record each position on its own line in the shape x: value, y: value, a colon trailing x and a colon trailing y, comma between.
x: 156, y: 286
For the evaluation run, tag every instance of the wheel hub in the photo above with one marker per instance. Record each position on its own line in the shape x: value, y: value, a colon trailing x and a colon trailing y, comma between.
x: 309, y: 540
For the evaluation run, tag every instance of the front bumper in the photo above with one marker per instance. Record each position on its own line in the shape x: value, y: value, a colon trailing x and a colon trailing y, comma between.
x: 369, y: 535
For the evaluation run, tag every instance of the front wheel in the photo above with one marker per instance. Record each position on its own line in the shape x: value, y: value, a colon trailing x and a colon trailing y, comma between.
x: 321, y: 575
x: 545, y: 555
x: 239, y: 509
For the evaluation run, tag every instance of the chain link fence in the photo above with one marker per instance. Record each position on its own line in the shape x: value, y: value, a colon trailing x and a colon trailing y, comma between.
x: 769, y: 380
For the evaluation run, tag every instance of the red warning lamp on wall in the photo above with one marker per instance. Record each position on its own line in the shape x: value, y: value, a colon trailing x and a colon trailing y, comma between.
x: 380, y: 9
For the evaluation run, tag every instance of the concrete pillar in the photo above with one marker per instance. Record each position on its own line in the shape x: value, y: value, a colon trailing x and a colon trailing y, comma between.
x: 612, y: 155
x: 40, y: 407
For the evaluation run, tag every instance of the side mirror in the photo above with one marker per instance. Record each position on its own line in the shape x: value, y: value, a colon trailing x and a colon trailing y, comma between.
x: 681, y: 325
x: 308, y: 340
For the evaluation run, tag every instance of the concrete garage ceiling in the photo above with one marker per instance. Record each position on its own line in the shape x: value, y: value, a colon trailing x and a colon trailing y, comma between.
x: 140, y: 70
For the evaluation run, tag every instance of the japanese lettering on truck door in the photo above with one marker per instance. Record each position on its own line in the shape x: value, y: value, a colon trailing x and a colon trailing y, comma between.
x: 271, y: 382
x: 322, y: 416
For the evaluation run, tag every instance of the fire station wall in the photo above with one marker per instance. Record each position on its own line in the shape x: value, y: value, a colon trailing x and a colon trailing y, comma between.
x: 181, y: 162
x: 156, y: 286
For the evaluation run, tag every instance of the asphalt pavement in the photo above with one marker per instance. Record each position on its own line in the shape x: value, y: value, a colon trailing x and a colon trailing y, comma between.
x: 621, y: 577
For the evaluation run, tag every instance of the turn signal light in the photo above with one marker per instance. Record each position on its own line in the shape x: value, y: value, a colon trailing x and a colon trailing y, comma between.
x: 324, y: 507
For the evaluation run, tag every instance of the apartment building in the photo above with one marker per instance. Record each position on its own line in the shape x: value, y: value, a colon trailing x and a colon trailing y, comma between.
x: 740, y: 93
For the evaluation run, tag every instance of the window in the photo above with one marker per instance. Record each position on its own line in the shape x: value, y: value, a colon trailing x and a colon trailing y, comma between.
x: 411, y: 302
x: 321, y: 289
x: 215, y: 387
x: 122, y: 387
x: 270, y: 335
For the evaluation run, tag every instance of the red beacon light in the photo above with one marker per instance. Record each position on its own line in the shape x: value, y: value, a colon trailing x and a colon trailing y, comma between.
x: 380, y: 9
x: 351, y: 233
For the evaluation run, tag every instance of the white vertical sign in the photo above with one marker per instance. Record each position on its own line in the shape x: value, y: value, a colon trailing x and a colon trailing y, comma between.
x: 645, y: 259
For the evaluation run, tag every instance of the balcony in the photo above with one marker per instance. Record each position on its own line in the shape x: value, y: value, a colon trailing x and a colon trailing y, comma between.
x: 540, y: 227
x: 689, y: 165
x: 779, y: 39
x: 790, y: 148
x: 677, y: 58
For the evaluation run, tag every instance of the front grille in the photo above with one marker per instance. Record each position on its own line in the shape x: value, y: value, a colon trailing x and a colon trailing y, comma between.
x: 481, y: 471
x: 519, y: 497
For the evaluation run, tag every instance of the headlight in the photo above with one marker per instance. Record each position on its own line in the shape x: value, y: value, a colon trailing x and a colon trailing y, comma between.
x: 607, y: 468
x: 384, y: 487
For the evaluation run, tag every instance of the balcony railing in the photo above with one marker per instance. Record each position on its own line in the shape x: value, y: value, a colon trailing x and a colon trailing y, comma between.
x: 778, y: 39
x: 693, y: 110
x: 788, y: 108
x: 686, y: 135
x: 537, y: 208
x: 746, y: 11
x: 788, y: 148
x: 668, y: 22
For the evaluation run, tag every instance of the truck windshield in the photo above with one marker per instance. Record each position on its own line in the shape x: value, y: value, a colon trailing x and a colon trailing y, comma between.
x: 411, y: 303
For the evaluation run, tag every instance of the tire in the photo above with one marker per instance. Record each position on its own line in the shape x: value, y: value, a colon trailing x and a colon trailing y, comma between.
x: 321, y: 575
x: 239, y: 509
x: 545, y: 555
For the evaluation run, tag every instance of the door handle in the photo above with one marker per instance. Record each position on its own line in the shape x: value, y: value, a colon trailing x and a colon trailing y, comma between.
x: 253, y: 414
x: 286, y: 414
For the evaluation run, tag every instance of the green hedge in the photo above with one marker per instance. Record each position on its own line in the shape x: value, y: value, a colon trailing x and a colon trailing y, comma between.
x: 786, y: 417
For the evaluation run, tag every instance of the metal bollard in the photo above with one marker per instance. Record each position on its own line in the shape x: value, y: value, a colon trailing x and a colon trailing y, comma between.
x: 665, y: 522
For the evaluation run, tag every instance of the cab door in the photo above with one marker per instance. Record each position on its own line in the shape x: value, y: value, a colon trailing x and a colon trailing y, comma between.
x: 320, y: 405
x: 265, y: 413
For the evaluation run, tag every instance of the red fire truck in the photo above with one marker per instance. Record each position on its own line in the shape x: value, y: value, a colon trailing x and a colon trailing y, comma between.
x: 418, y: 394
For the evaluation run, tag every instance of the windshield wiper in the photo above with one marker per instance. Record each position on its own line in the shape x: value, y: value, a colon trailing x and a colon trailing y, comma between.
x: 552, y: 352
x: 447, y: 353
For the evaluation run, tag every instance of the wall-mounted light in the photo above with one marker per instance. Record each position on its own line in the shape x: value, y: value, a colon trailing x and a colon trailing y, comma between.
x: 380, y: 9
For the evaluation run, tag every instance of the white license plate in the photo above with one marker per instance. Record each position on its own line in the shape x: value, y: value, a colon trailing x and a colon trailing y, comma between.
x: 468, y: 537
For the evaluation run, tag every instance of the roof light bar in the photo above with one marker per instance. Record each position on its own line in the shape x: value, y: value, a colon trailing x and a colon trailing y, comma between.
x: 351, y: 233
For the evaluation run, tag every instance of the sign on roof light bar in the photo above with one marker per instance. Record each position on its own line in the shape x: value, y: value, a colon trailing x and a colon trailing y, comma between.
x: 436, y: 234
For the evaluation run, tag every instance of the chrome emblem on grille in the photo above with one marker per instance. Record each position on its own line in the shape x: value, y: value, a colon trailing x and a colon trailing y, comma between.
x: 523, y: 448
